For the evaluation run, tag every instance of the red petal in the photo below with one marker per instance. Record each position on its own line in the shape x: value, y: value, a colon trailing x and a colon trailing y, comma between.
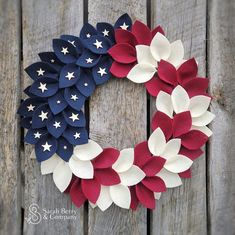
x: 123, y: 53
x: 186, y: 174
x: 164, y: 122
x: 134, y: 199
x: 142, y: 154
x: 196, y: 86
x: 187, y: 70
x: 76, y: 193
x: 125, y: 36
x: 158, y: 29
x: 142, y: 33
x: 155, y: 85
x: 107, y: 176
x: 193, y: 139
x: 167, y: 72
x: 91, y: 189
x: 120, y: 70
x: 182, y: 123
x: 106, y: 159
x: 153, y: 166
x: 155, y: 184
x: 145, y: 196
x: 192, y: 154
x: 70, y: 184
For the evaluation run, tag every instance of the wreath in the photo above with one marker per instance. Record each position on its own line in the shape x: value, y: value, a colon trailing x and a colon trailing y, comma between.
x: 56, y: 124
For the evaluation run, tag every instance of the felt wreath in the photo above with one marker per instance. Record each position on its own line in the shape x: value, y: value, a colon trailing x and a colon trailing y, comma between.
x: 66, y: 77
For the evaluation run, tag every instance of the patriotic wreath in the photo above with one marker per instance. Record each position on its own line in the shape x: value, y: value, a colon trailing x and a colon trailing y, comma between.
x: 66, y: 77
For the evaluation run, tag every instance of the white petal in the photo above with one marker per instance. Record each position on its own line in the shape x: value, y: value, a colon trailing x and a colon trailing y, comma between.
x: 164, y: 104
x: 121, y: 195
x: 180, y: 99
x: 177, y: 53
x: 132, y: 176
x: 172, y: 149
x: 92, y: 205
x: 104, y: 201
x: 82, y: 169
x: 203, y: 129
x: 62, y: 175
x: 49, y: 165
x: 203, y: 120
x: 160, y: 47
x: 198, y: 105
x: 178, y: 164
x: 171, y: 180
x: 157, y: 142
x: 33, y: 155
x: 87, y: 151
x: 144, y: 55
x: 157, y: 195
x: 124, y: 161
x: 141, y: 73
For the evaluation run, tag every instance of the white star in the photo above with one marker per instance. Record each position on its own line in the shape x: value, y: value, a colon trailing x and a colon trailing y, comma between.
x: 74, y: 117
x: 30, y: 108
x: 72, y: 42
x: 58, y: 101
x: 102, y: 71
x: 52, y: 61
x: 89, y: 60
x: 40, y: 72
x: 98, y: 44
x: 124, y: 26
x: 85, y: 84
x: 46, y: 147
x: 42, y: 87
x: 37, y: 135
x: 88, y: 35
x: 65, y: 147
x: 65, y: 50
x: 74, y: 97
x: 56, y: 124
x: 105, y: 33
x: 70, y: 75
x: 43, y: 115
x: 77, y: 135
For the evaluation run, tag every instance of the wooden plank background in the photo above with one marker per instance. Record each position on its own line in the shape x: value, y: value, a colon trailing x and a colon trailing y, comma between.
x: 118, y: 116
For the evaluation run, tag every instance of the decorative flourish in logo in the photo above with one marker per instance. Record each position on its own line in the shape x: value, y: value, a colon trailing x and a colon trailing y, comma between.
x: 34, y: 215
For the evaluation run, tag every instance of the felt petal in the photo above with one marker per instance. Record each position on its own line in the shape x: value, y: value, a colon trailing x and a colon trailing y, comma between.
x: 171, y: 180
x: 164, y: 122
x: 76, y: 193
x: 124, y: 36
x: 82, y: 169
x: 157, y: 195
x: 106, y: 159
x: 145, y: 196
x: 123, y: 53
x: 48, y: 166
x: 62, y: 176
x: 104, y: 201
x: 26, y: 122
x: 56, y: 125
x: 142, y: 33
x: 57, y: 103
x: 178, y: 164
x: 74, y: 118
x: 156, y: 30
x: 186, y: 174
x: 172, y: 149
x: 121, y: 195
x: 177, y: 53
x: 91, y: 189
x: 120, y: 70
x: 164, y: 104
x: 160, y: 47
x: 123, y: 19
x: 107, y: 176
x: 153, y: 166
x: 157, y: 142
x: 103, y: 27
x: 203, y: 120
x: 50, y: 58
x: 203, y: 129
x: 142, y: 154
x: 64, y: 149
x: 192, y: 154
x: 69, y: 75
x: 198, y: 105
x: 180, y: 99
x: 132, y: 176
x: 144, y: 55
x: 134, y: 199
x: 88, y: 59
x: 76, y: 135
x: 182, y: 123
x: 87, y: 31
x: 87, y: 151
x: 34, y: 135
x: 75, y: 41
x: 194, y: 139
x: 154, y: 183
x: 124, y: 161
x: 141, y: 73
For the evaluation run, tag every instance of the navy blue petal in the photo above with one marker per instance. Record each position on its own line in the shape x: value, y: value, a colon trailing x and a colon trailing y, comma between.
x: 106, y: 30
x: 87, y: 31
x: 57, y: 103
x: 56, y: 125
x: 41, y: 116
x: 26, y: 122
x: 75, y: 41
x: 88, y: 59
x: 69, y: 75
x: 75, y: 135
x: 123, y: 20
x: 74, y: 117
x: 64, y: 149
x: 34, y: 135
x: 27, y: 92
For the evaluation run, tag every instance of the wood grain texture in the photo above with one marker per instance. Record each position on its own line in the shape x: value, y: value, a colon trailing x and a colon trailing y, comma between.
x: 221, y: 162
x: 183, y: 210
x: 10, y: 199
x: 43, y: 21
x: 118, y: 119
